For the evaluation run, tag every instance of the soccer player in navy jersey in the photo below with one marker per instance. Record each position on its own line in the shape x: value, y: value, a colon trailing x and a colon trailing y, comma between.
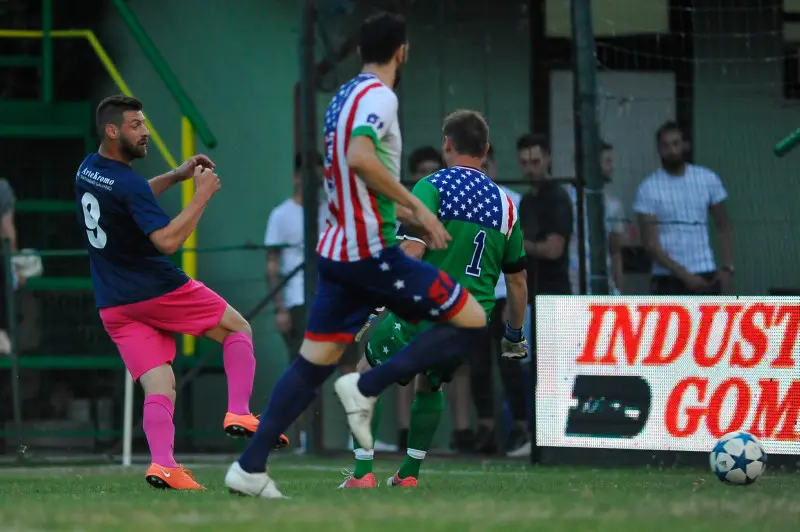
x: 143, y: 298
x: 360, y: 265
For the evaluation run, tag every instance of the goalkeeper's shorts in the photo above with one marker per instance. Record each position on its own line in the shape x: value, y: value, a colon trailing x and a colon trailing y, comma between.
x: 394, y: 333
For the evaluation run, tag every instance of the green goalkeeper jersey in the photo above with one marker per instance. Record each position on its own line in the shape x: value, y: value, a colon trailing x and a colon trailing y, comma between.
x: 484, y: 225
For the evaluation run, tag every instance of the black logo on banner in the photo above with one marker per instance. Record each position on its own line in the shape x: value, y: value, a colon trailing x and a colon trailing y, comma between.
x: 608, y: 407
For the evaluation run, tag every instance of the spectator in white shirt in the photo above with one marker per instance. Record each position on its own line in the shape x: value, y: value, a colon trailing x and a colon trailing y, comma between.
x: 615, y: 231
x: 673, y: 204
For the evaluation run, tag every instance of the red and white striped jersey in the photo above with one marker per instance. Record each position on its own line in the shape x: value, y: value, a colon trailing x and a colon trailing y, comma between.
x: 360, y: 222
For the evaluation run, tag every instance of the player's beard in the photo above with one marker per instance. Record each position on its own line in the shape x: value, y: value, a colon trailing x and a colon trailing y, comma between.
x: 130, y: 150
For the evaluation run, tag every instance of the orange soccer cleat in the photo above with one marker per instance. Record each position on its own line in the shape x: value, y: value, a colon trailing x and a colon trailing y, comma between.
x: 244, y: 425
x: 367, y: 481
x: 176, y: 478
x: 408, y: 482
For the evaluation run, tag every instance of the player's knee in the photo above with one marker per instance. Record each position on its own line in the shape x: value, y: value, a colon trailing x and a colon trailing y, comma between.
x: 423, y: 384
x: 471, y: 315
x: 363, y: 365
x: 244, y: 328
x: 322, y: 353
x: 159, y: 381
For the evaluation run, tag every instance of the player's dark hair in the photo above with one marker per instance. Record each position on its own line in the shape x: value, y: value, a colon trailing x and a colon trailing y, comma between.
x: 111, y: 111
x: 667, y: 127
x: 298, y: 161
x: 423, y: 154
x: 468, y: 131
x: 380, y: 37
x: 533, y: 140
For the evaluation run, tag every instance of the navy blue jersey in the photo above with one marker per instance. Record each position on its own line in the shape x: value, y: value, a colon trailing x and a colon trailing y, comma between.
x: 117, y: 211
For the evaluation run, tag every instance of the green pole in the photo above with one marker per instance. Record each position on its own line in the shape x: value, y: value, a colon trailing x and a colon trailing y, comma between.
x: 161, y: 67
x: 16, y: 394
x: 47, y: 51
x: 308, y: 147
x: 787, y: 144
x: 587, y: 140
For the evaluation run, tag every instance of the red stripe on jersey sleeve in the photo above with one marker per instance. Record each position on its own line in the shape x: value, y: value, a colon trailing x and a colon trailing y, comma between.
x: 358, y: 212
x: 510, y: 214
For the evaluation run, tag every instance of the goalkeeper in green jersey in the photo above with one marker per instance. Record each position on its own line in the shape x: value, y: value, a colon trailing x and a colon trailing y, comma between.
x: 487, y: 239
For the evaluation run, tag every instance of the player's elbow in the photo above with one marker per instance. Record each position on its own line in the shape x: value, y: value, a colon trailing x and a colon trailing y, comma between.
x: 164, y: 242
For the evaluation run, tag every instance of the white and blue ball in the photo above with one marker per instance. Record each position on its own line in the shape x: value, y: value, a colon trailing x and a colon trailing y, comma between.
x: 738, y: 458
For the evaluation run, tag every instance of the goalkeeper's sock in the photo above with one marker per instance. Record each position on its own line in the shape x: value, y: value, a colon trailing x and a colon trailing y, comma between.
x: 363, y: 457
x: 426, y: 412
x: 439, y: 345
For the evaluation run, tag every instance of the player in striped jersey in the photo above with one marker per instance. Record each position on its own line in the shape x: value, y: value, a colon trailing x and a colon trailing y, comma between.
x: 360, y: 265
x: 487, y: 239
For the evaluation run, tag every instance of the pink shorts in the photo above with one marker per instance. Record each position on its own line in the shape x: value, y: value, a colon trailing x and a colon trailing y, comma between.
x: 145, y: 331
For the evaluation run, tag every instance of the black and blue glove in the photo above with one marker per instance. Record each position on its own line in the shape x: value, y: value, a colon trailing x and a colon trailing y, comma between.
x: 514, y: 346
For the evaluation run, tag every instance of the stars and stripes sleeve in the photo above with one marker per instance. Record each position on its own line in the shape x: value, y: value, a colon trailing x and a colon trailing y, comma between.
x: 514, y: 260
x: 376, y: 111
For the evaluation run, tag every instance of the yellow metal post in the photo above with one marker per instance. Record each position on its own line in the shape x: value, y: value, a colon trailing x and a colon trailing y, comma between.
x: 188, y: 258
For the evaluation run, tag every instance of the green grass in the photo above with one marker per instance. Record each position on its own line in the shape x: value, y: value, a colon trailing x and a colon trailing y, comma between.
x: 452, y: 496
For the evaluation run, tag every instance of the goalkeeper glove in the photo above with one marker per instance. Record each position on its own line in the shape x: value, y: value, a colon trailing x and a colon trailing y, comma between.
x: 514, y: 346
x: 365, y: 327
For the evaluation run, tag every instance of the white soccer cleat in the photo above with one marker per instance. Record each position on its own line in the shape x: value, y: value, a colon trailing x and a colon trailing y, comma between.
x: 241, y: 482
x: 358, y: 408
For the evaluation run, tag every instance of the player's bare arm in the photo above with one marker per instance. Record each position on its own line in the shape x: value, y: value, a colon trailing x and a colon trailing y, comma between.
x: 363, y: 160
x: 162, y: 183
x: 517, y: 288
x: 170, y: 238
x: 648, y: 225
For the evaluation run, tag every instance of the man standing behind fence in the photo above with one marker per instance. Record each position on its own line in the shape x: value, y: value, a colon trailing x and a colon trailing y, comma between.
x: 614, y: 226
x: 545, y: 214
x: 673, y: 204
x: 284, y: 241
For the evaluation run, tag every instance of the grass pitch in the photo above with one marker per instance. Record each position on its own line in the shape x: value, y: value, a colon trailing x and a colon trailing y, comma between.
x: 457, y: 496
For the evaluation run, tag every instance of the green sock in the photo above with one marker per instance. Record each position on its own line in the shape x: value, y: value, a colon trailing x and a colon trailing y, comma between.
x: 426, y: 411
x: 364, y: 458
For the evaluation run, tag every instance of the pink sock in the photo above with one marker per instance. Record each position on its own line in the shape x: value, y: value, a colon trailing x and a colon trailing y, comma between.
x: 159, y: 429
x: 240, y: 368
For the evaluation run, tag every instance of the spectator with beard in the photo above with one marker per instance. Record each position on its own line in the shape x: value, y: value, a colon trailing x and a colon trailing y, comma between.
x: 673, y: 204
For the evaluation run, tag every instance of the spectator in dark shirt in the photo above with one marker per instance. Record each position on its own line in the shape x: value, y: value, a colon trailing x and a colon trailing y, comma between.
x: 546, y: 217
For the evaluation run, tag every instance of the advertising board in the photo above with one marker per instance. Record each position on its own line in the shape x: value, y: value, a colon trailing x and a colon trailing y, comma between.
x: 667, y: 373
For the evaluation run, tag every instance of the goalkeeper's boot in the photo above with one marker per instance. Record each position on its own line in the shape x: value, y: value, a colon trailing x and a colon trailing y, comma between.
x: 408, y: 482
x: 176, y: 478
x: 243, y: 426
x: 358, y: 408
x: 367, y: 481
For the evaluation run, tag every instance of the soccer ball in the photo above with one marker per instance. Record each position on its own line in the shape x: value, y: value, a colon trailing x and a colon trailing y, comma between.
x: 738, y: 458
